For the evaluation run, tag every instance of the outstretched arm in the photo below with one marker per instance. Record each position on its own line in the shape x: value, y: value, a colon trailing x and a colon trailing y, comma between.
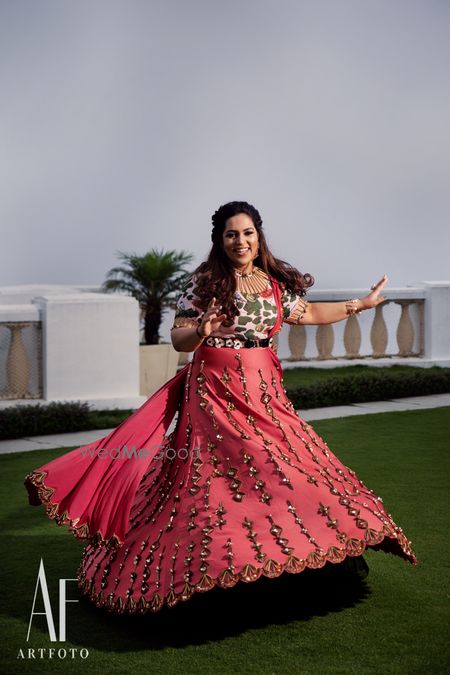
x: 331, y: 312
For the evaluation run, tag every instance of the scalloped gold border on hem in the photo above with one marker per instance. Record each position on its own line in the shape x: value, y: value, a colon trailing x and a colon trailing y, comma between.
x: 80, y: 531
x: 249, y: 573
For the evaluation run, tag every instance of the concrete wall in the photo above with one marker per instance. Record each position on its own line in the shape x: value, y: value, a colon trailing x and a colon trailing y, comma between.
x: 90, y: 343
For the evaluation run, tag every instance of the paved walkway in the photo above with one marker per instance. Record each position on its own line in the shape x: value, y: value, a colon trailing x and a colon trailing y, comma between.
x: 79, y: 438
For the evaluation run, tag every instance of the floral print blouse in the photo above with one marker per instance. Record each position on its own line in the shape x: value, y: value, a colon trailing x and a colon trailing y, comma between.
x: 258, y: 311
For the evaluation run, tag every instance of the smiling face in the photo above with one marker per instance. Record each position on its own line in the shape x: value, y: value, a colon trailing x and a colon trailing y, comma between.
x: 240, y: 241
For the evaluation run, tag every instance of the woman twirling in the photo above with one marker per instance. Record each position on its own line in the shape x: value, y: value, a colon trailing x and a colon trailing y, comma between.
x: 248, y: 488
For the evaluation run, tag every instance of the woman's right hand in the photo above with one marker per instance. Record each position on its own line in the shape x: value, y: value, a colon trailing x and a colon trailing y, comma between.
x: 211, y: 319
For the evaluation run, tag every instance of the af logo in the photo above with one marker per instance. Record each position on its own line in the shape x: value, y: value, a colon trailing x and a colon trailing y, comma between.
x: 61, y: 653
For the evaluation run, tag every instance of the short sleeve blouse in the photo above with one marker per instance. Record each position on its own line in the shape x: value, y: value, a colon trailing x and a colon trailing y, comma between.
x: 257, y: 311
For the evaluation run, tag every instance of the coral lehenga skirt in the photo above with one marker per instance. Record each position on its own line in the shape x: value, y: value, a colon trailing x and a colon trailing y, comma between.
x: 241, y: 488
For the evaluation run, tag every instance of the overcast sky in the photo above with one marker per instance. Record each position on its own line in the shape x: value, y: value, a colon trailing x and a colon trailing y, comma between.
x: 126, y: 123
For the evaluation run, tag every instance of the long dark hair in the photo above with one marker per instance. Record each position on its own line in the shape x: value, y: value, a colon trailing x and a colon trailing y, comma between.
x: 215, y: 276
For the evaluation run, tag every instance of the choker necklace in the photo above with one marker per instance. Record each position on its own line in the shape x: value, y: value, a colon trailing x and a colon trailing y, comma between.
x: 252, y: 282
x: 245, y: 274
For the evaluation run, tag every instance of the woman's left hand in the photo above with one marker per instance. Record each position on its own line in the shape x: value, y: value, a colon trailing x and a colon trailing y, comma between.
x: 374, y: 298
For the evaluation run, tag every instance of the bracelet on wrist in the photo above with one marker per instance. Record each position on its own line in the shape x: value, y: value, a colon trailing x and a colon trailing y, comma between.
x: 199, y: 334
x: 351, y: 307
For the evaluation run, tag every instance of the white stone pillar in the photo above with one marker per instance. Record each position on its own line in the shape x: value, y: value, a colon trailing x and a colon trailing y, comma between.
x: 90, y: 346
x: 437, y: 322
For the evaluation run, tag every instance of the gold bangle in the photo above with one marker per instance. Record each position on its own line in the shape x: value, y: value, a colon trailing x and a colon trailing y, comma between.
x: 351, y: 307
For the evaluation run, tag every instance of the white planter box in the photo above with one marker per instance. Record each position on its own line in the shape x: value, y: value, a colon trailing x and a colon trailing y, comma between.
x: 157, y: 365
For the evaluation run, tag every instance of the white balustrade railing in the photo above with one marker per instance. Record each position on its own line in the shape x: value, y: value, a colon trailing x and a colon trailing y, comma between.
x: 20, y: 353
x: 90, y: 341
x: 395, y: 329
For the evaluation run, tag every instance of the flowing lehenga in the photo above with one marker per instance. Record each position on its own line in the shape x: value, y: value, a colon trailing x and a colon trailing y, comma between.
x: 242, y: 487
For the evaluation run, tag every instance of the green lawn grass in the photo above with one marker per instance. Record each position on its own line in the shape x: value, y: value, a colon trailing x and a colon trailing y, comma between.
x: 393, y: 622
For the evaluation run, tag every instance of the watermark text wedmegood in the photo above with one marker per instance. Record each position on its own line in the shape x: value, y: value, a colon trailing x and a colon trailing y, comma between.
x: 157, y: 452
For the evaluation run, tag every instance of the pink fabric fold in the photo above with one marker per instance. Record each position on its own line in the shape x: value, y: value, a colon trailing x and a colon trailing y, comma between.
x: 93, y: 491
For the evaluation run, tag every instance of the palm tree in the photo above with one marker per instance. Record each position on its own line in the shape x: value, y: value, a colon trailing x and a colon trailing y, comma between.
x: 154, y: 279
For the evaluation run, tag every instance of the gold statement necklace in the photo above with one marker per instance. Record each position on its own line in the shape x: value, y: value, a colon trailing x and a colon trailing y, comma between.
x: 252, y: 282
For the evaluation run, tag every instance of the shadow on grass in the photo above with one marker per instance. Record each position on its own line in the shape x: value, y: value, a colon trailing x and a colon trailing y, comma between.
x: 214, y: 615
x: 223, y: 613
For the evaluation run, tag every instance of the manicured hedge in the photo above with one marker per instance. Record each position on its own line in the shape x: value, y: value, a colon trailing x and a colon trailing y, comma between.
x: 50, y: 418
x: 371, y: 387
x: 32, y: 420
